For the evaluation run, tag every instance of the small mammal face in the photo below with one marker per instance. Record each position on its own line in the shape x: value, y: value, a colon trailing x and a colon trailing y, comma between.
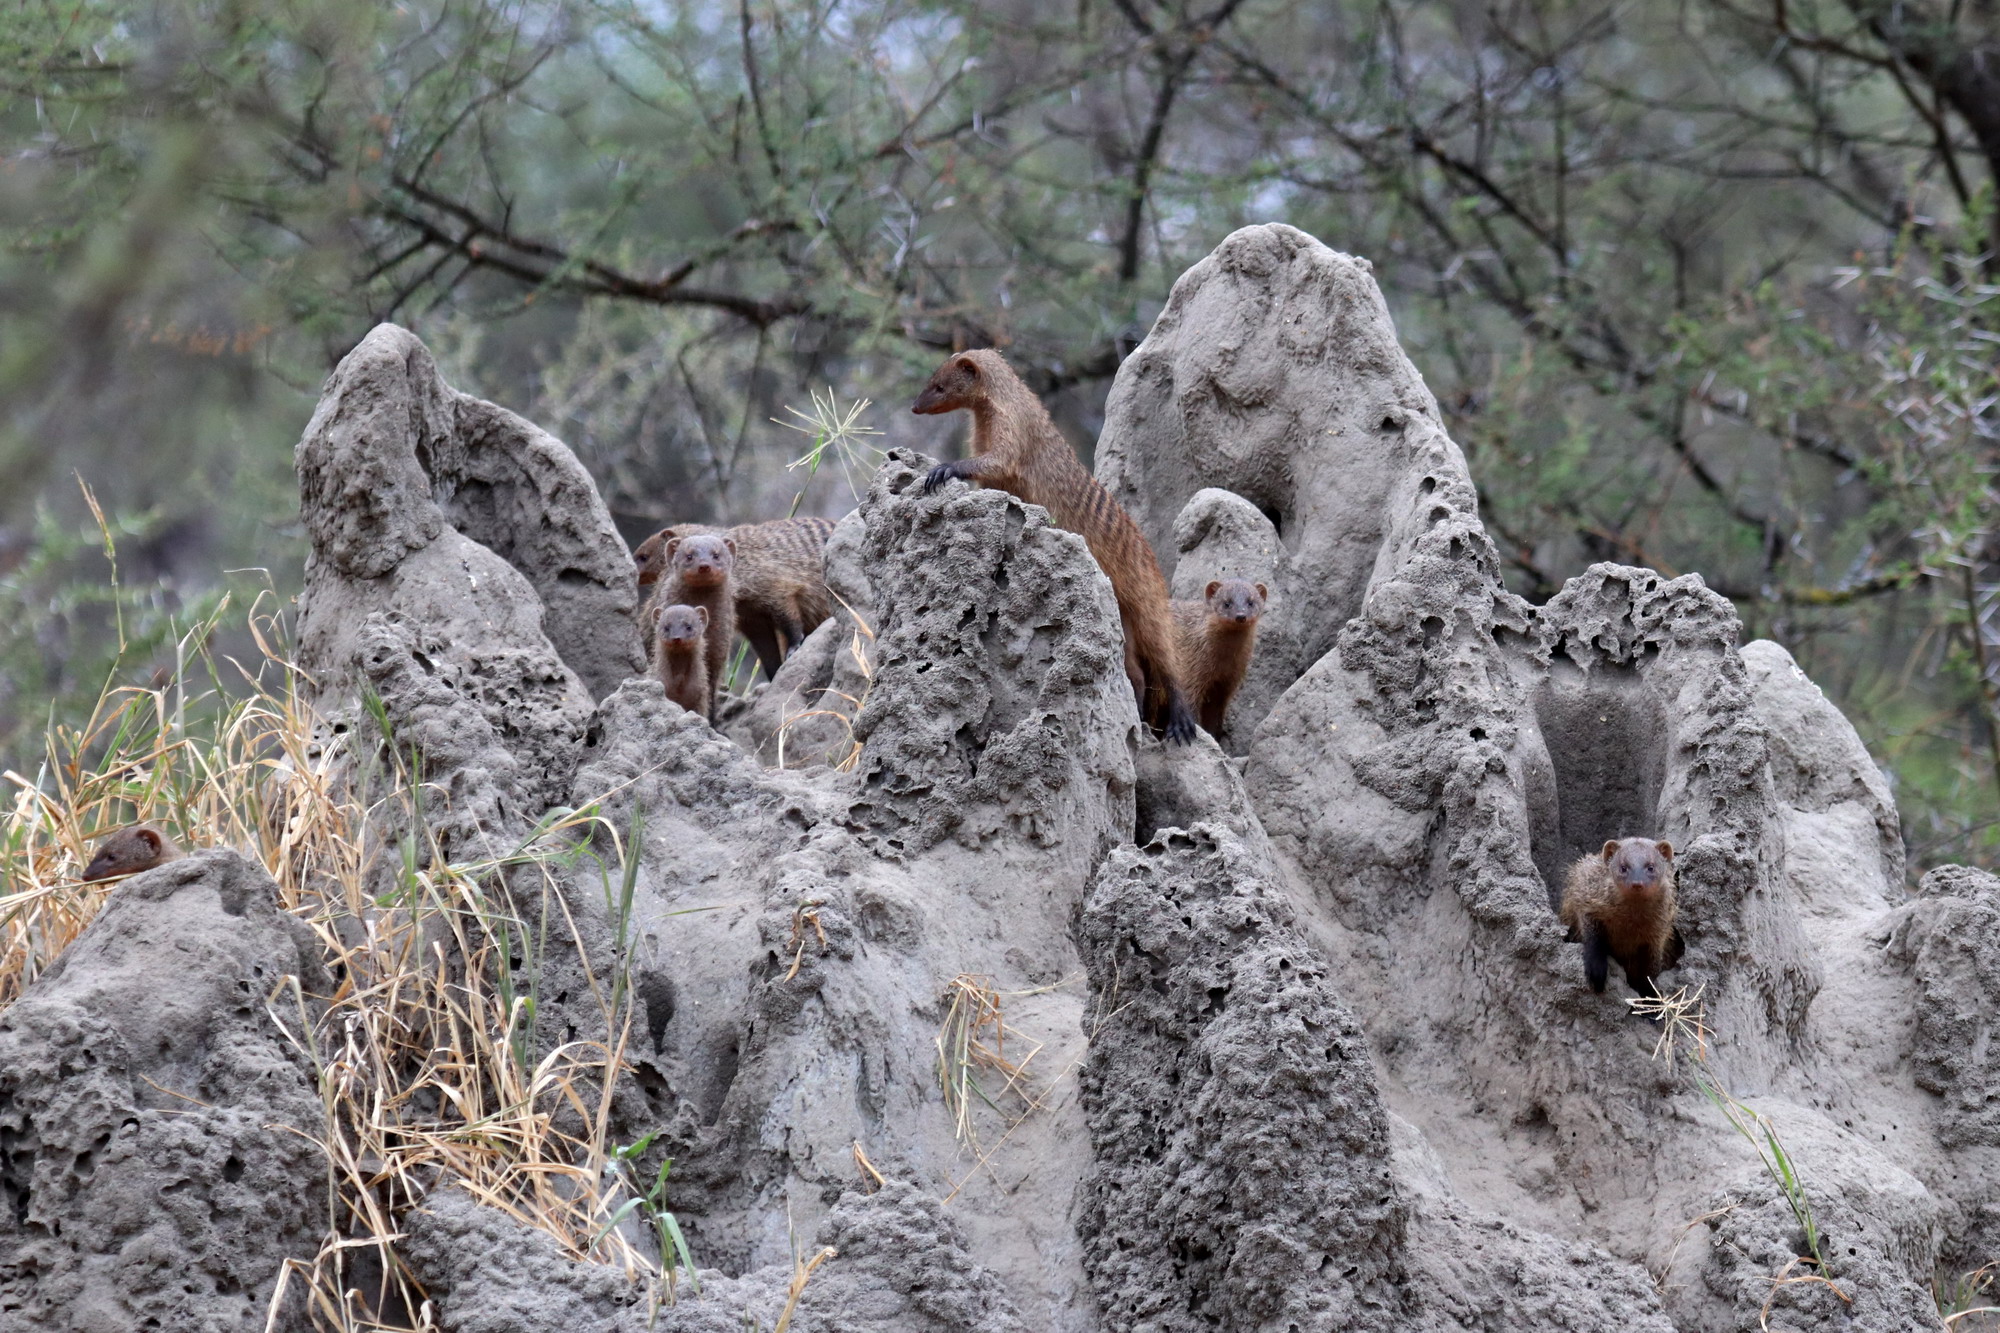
x: 129, y: 851
x: 651, y: 557
x: 955, y: 384
x: 1237, y: 601
x: 680, y: 627
x: 1637, y: 865
x: 702, y: 561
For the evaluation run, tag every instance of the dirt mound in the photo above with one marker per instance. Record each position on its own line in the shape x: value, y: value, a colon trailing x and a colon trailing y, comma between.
x: 1038, y: 1025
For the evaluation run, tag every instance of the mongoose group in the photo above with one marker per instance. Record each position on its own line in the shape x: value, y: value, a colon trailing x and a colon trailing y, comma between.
x: 1185, y: 659
x: 766, y: 580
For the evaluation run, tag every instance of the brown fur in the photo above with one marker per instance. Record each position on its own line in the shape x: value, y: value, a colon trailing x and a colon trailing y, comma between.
x: 1017, y: 448
x: 701, y: 572
x: 680, y: 655
x: 1621, y: 904
x: 1215, y: 638
x: 781, y: 593
x: 131, y: 850
x: 780, y: 580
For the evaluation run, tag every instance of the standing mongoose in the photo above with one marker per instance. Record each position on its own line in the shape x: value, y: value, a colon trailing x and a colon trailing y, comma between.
x: 1215, y: 637
x: 1015, y: 447
x: 701, y: 572
x: 130, y: 850
x: 781, y: 592
x: 1620, y: 903
x: 680, y: 655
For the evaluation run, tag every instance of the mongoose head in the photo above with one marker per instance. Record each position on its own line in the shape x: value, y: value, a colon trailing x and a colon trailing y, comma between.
x: 651, y: 557
x: 959, y: 383
x: 1236, y: 601
x: 680, y: 627
x: 130, y: 850
x: 703, y: 560
x: 1638, y: 865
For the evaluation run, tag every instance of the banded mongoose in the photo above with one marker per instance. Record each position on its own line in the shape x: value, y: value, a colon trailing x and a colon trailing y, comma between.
x: 781, y: 592
x: 1015, y: 447
x: 680, y: 655
x: 1216, y: 637
x: 131, y: 850
x: 701, y: 572
x: 1620, y: 903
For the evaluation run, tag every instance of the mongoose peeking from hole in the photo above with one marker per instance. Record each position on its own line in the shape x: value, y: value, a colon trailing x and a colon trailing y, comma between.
x: 1620, y: 903
x: 131, y: 850
x: 1216, y: 637
x: 1016, y: 448
x: 680, y: 655
x: 701, y: 572
x: 780, y: 579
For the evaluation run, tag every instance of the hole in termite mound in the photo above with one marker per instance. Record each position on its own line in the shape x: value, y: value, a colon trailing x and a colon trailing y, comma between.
x: 1607, y: 740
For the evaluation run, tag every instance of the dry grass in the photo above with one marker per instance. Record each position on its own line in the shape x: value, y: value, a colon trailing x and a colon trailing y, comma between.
x: 847, y: 755
x: 972, y: 1044
x: 429, y: 1069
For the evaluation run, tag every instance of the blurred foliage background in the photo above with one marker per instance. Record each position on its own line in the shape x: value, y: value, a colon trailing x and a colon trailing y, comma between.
x: 1702, y: 284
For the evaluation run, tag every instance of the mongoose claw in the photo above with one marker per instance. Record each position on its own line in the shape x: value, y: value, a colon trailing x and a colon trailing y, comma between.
x: 937, y: 477
x: 1180, y: 725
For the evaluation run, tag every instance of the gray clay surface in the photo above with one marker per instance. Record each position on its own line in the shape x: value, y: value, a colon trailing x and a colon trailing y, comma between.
x: 1304, y: 1045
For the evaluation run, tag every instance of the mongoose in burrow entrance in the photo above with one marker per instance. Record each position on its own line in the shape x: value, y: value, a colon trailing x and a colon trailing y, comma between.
x: 1017, y: 448
x: 1216, y: 637
x: 680, y: 654
x: 131, y: 850
x: 1620, y: 903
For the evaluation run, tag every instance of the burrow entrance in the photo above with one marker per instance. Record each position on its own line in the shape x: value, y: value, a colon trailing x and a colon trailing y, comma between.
x: 1607, y: 739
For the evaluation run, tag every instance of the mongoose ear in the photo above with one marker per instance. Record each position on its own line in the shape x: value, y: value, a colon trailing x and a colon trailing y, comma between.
x: 1667, y: 850
x: 1263, y: 592
x: 968, y: 365
x: 653, y: 615
x: 673, y: 544
x: 148, y: 837
x: 1610, y: 850
x: 730, y: 542
x: 1209, y: 591
x: 701, y: 614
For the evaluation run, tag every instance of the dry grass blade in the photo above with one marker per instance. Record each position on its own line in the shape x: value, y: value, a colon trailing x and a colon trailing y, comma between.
x: 861, y: 1161
x: 805, y: 917
x: 1781, y: 1281
x: 801, y: 1274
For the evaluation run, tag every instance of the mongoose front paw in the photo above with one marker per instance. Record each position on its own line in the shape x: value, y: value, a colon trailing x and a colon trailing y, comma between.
x: 937, y: 477
x: 1180, y: 725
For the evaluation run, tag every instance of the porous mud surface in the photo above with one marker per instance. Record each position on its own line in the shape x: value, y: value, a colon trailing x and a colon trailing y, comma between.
x: 1300, y: 1042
